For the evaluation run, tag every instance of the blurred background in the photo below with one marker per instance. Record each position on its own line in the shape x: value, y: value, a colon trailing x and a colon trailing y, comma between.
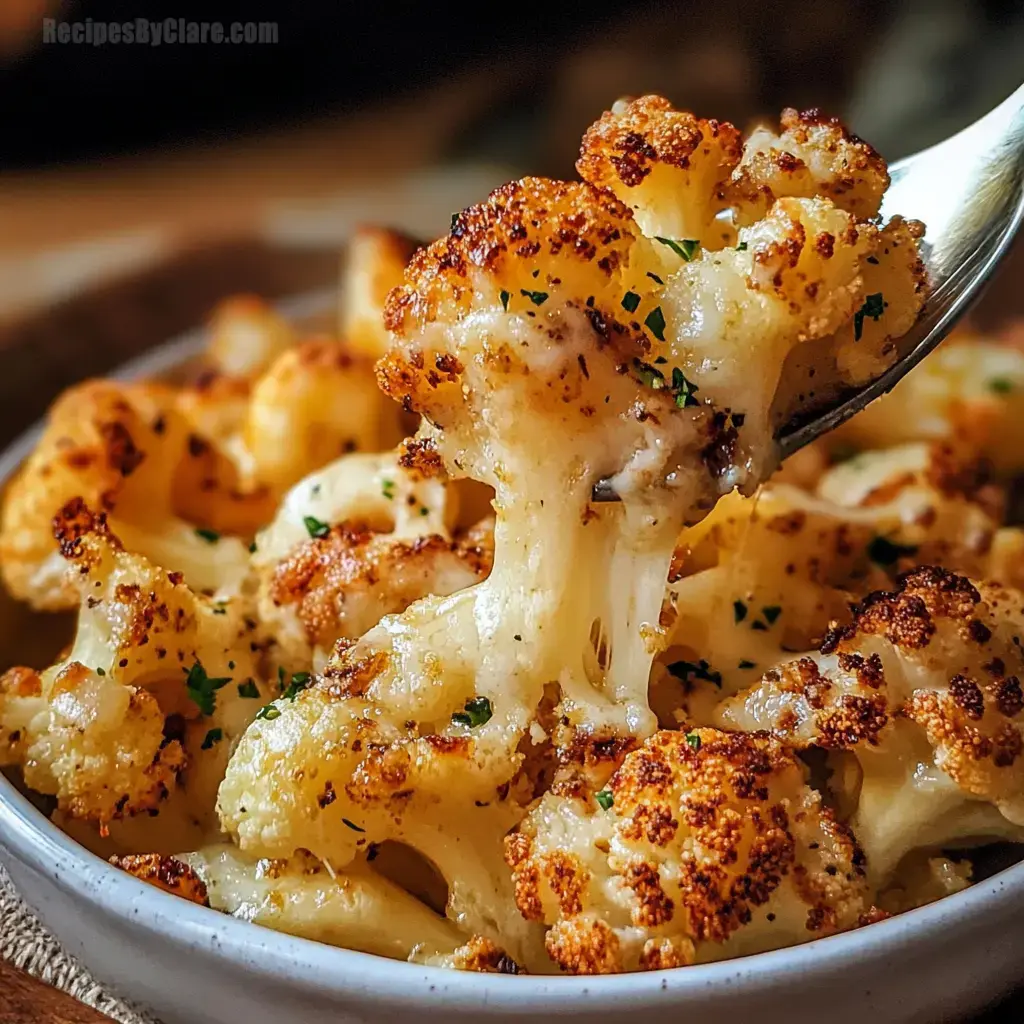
x: 140, y: 183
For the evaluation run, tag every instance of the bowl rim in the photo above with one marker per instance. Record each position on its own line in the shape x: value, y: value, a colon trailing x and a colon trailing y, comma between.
x: 32, y: 839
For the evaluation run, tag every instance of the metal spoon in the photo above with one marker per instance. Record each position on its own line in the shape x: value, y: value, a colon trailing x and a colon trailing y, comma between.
x: 969, y: 191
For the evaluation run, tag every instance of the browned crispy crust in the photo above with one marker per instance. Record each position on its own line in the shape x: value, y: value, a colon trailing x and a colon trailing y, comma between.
x: 625, y: 147
x: 165, y: 873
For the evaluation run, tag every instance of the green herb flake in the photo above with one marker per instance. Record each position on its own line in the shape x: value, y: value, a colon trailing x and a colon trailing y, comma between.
x: 685, y: 247
x: 655, y: 278
x: 455, y: 220
x: 202, y: 690
x: 649, y: 376
x: 101, y: 671
x: 252, y: 548
x: 883, y: 551
x: 504, y: 296
x: 747, y: 664
x: 771, y: 613
x: 683, y: 389
x: 424, y: 511
x: 315, y: 527
x: 249, y: 689
x: 874, y: 307
x: 694, y: 740
x: 352, y: 825
x: 220, y: 609
x: 605, y: 799
x: 210, y: 536
x: 655, y: 322
x: 300, y: 680
x: 537, y: 298
x: 1001, y: 385
x: 742, y: 247
x: 685, y: 671
x: 212, y: 737
x: 630, y: 301
x: 269, y: 712
x: 739, y: 611
x: 478, y: 711
x: 387, y: 488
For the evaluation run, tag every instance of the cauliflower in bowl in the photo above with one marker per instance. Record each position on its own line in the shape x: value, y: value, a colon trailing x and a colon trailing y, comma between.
x: 432, y: 699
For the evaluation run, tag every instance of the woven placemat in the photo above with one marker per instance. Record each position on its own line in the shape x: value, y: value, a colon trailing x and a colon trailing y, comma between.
x: 27, y: 944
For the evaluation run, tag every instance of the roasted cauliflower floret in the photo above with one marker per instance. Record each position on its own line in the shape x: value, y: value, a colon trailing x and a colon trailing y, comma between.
x: 923, y: 690
x: 166, y: 873
x: 116, y: 447
x: 92, y: 728
x: 374, y: 261
x: 704, y: 845
x: 362, y: 538
x: 813, y: 155
x: 969, y: 392
x: 246, y: 336
x: 668, y: 166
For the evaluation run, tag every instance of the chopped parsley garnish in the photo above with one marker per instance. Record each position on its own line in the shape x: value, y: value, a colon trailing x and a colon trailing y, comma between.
x: 874, y: 307
x: 747, y: 664
x: 300, y: 680
x: 269, y: 712
x: 630, y: 301
x: 455, y: 220
x: 220, y: 609
x: 202, y: 689
x: 684, y: 670
x: 424, y: 511
x: 387, y: 488
x: 316, y: 527
x: 739, y: 611
x: 504, y: 296
x: 655, y: 278
x: 883, y: 551
x: 648, y: 375
x: 605, y: 799
x: 101, y: 671
x: 252, y: 548
x: 537, y: 298
x: 478, y: 712
x: 210, y: 536
x: 771, y: 613
x: 683, y: 389
x: 655, y: 321
x: 213, y: 736
x: 281, y: 677
x: 685, y: 247
x: 248, y: 689
x: 694, y: 740
x: 742, y: 247
x: 1000, y: 385
x: 352, y: 825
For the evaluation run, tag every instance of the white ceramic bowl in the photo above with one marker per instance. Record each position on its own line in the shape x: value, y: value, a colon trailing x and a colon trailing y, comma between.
x: 191, y: 965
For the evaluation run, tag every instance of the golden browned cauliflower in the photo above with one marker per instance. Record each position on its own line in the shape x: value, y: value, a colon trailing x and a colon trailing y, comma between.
x: 922, y: 690
x: 704, y: 845
x: 165, y: 873
x: 246, y: 336
x: 374, y: 261
x: 93, y: 729
x: 970, y: 392
x: 362, y: 538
